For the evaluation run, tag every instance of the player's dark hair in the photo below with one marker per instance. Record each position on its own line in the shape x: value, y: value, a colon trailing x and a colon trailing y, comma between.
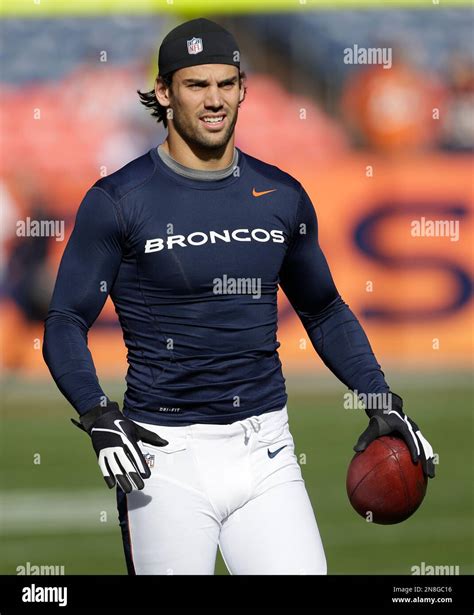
x: 148, y: 99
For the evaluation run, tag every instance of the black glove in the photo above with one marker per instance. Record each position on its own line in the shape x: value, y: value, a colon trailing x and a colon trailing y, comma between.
x: 393, y: 420
x: 115, y: 441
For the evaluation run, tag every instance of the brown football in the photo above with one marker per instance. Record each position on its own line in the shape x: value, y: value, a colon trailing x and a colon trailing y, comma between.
x: 383, y: 484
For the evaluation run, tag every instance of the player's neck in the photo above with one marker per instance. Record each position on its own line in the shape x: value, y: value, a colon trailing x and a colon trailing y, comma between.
x: 195, y: 158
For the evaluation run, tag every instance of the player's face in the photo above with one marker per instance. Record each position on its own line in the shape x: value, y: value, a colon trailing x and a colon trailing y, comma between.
x: 205, y: 101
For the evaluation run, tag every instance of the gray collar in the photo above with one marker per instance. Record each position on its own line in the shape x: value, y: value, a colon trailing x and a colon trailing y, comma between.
x: 197, y: 173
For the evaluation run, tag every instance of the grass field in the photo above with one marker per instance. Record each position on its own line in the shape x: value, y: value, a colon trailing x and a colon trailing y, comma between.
x: 56, y: 510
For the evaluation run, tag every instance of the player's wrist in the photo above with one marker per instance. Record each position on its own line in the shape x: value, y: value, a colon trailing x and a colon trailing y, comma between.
x: 89, y: 418
x: 382, y: 403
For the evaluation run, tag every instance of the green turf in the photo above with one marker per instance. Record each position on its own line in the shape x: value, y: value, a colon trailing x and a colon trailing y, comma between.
x: 440, y: 533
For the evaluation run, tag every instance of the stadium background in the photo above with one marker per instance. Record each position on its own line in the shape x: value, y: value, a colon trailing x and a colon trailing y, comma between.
x: 374, y: 155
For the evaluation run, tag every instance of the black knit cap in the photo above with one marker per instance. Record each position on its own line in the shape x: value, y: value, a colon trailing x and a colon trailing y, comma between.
x: 199, y: 41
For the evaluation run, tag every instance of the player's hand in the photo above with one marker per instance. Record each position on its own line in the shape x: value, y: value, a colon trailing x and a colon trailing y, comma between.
x: 115, y: 441
x: 394, y: 421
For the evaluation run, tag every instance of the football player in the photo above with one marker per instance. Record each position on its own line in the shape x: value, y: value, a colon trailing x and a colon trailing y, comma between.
x: 191, y: 241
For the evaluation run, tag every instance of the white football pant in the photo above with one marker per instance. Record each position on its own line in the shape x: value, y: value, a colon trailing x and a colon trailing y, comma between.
x: 236, y: 486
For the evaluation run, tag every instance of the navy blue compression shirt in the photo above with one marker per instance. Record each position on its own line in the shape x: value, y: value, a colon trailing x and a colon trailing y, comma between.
x: 193, y: 269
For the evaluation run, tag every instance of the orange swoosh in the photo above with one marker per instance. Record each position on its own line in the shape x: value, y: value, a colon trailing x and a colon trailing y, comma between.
x: 255, y: 193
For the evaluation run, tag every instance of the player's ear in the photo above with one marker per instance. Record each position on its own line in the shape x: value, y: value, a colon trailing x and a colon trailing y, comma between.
x: 162, y: 92
x: 243, y: 87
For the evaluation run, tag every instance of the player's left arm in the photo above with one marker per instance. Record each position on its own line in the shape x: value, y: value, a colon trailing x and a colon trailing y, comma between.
x: 339, y: 339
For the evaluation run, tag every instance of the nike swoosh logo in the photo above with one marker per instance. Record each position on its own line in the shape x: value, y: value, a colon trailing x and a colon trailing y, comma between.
x: 255, y: 193
x: 275, y: 453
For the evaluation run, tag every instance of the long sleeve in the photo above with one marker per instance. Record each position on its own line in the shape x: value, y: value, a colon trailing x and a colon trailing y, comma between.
x: 333, y: 329
x: 86, y: 274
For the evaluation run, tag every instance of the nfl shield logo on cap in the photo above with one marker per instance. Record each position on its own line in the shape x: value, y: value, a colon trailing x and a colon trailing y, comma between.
x: 195, y: 45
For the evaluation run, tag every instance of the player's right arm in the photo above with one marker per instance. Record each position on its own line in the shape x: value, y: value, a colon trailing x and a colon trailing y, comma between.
x: 86, y: 274
x: 88, y: 269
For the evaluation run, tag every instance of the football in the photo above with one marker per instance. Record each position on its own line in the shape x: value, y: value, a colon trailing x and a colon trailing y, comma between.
x: 383, y: 484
